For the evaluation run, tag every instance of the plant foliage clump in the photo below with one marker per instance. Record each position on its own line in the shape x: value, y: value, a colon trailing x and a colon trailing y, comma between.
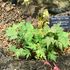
x: 40, y: 43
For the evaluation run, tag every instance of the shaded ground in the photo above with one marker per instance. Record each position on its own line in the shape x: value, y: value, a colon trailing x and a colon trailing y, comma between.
x: 8, y: 63
x: 11, y: 14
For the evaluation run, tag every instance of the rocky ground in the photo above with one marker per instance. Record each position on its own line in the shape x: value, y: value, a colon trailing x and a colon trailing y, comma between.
x: 12, y: 14
x: 8, y: 63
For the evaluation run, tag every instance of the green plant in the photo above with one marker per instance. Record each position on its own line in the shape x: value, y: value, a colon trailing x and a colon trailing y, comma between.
x: 40, y: 43
x: 43, y: 18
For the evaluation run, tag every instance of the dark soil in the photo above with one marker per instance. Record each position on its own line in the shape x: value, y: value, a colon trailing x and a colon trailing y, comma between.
x: 9, y: 63
x: 11, y: 14
x: 64, y: 62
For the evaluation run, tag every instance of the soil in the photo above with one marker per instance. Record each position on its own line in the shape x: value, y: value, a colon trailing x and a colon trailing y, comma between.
x: 9, y: 63
x: 12, y: 14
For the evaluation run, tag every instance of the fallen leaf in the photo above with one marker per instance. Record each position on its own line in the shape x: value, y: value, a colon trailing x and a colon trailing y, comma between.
x: 56, y: 67
x: 46, y: 62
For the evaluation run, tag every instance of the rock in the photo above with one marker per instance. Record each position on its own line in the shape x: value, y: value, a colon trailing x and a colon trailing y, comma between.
x: 57, y: 6
x: 0, y: 0
x: 14, y: 1
x: 4, y: 0
x: 9, y: 8
x: 64, y: 62
x: 0, y: 54
x: 3, y: 5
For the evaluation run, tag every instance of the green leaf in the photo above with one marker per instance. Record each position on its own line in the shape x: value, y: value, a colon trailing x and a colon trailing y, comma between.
x: 40, y: 54
x: 12, y: 48
x: 11, y: 33
x: 56, y: 28
x: 37, y: 36
x: 18, y: 52
x: 49, y: 41
x: 29, y: 26
x: 37, y: 39
x: 32, y: 46
x: 52, y: 55
x: 43, y: 42
x: 60, y: 46
x: 46, y: 29
x: 26, y: 53
x: 22, y: 52
x: 63, y: 38
x: 28, y: 36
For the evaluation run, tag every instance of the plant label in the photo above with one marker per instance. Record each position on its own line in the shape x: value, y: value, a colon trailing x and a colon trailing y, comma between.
x: 63, y: 20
